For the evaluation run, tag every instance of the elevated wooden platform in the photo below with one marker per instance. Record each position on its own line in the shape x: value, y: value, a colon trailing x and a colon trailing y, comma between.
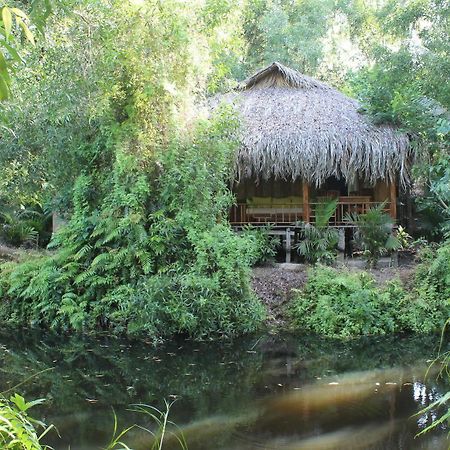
x: 292, y: 214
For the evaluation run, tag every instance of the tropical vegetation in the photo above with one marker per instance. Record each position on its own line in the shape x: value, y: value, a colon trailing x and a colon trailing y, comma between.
x: 18, y: 430
x: 319, y: 241
x: 374, y: 233
x: 340, y: 303
x: 102, y: 126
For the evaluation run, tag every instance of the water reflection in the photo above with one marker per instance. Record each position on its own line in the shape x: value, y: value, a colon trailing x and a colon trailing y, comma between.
x: 267, y: 392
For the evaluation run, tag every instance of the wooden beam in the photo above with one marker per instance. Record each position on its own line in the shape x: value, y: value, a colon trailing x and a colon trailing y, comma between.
x: 305, y: 196
x: 393, y: 200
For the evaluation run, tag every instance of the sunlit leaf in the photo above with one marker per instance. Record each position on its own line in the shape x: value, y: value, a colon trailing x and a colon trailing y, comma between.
x: 12, y: 51
x: 19, y: 12
x: 26, y: 30
x: 4, y: 90
x: 7, y: 20
x: 3, y: 63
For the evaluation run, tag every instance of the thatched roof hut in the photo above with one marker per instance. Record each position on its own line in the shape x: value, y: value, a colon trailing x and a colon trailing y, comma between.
x: 294, y: 126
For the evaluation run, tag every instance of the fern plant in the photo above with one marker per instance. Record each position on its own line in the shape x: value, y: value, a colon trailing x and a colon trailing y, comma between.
x: 145, y: 255
x: 319, y: 241
x: 374, y: 233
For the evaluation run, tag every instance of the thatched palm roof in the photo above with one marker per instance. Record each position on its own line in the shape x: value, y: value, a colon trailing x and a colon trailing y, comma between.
x: 295, y: 126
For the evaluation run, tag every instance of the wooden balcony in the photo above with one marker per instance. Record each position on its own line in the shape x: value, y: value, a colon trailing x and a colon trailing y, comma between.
x: 283, y: 215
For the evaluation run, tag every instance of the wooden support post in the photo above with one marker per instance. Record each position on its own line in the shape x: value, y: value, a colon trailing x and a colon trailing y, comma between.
x: 288, y: 245
x: 393, y: 200
x: 305, y: 195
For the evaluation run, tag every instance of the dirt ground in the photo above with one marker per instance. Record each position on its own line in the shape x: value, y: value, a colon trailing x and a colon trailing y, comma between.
x: 7, y: 253
x: 273, y: 284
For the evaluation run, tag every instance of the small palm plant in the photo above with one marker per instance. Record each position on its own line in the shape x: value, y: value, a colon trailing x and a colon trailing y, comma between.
x: 24, y: 227
x: 16, y: 231
x: 319, y: 241
x: 374, y: 233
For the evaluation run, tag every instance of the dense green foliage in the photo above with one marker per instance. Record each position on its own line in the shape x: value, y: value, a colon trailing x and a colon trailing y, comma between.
x: 147, y: 247
x: 406, y: 84
x: 340, y: 303
x: 155, y: 256
x: 100, y: 129
x: 374, y: 233
x: 100, y: 71
x: 430, y: 298
x: 345, y: 304
x: 27, y: 226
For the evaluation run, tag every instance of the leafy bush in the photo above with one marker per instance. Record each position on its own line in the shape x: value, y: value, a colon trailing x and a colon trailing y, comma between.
x: 319, y: 241
x: 148, y: 254
x: 342, y: 303
x: 374, y: 233
x: 264, y: 245
x: 345, y: 304
x: 17, y: 428
x: 429, y: 302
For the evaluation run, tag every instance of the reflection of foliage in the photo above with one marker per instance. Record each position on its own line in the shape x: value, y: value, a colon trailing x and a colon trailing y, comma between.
x: 208, y: 379
x: 443, y: 402
x: 114, y: 372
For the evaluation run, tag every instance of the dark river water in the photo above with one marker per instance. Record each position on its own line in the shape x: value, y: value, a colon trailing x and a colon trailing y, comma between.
x: 260, y: 392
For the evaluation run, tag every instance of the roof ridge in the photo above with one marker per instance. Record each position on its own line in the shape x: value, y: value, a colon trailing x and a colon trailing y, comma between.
x: 292, y: 78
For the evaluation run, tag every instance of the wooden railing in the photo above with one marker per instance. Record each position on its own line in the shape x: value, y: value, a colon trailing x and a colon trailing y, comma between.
x: 281, y: 214
x: 290, y: 214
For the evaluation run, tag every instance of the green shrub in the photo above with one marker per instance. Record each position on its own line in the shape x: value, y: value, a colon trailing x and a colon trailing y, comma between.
x: 146, y: 254
x: 342, y: 303
x: 264, y: 248
x: 429, y: 303
x: 24, y: 227
x: 345, y: 304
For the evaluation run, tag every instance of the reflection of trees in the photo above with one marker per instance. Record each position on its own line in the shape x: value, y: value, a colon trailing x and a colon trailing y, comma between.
x: 92, y: 374
x: 207, y: 378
